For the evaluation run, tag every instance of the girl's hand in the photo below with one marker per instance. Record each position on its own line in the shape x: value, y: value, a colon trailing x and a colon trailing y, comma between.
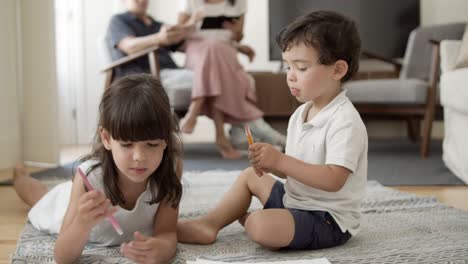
x: 264, y: 157
x: 143, y: 249
x: 93, y: 207
x: 247, y: 50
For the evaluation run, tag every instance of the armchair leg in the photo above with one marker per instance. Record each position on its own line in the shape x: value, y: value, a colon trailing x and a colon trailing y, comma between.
x: 414, y: 129
x: 426, y: 131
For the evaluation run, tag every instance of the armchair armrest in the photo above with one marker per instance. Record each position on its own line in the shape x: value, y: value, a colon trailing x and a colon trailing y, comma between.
x: 380, y: 57
x: 151, y: 52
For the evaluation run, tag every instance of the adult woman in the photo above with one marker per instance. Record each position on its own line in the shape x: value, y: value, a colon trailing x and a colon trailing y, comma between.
x: 221, y: 88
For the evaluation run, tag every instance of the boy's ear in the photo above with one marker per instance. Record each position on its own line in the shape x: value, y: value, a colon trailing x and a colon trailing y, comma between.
x: 105, y: 138
x: 341, y: 68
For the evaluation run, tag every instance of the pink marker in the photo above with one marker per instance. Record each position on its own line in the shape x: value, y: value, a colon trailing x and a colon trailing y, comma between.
x: 111, y: 218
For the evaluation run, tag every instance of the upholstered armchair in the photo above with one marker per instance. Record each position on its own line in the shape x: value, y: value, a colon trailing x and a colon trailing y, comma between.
x: 413, y: 96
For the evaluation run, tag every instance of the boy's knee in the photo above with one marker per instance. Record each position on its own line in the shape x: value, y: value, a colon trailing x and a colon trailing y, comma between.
x: 254, y: 227
x: 248, y: 174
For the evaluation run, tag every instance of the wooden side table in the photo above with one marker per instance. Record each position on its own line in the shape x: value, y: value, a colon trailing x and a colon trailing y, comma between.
x: 273, y: 95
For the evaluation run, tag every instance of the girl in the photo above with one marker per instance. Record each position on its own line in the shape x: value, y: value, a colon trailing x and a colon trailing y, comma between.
x: 135, y: 170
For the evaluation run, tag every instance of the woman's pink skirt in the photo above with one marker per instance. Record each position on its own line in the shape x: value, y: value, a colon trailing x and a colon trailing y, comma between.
x: 219, y: 77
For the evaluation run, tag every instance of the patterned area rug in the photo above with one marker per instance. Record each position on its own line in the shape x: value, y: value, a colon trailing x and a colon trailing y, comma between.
x: 397, y: 228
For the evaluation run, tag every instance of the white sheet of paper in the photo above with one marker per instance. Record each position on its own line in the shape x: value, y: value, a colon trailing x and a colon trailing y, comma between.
x: 303, y: 261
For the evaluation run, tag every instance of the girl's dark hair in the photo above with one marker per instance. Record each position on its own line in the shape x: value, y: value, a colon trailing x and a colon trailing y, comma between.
x: 136, y: 108
x: 333, y: 35
x: 232, y: 2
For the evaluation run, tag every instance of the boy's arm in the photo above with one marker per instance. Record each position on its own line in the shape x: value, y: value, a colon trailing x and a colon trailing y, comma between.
x: 330, y: 178
x: 266, y: 158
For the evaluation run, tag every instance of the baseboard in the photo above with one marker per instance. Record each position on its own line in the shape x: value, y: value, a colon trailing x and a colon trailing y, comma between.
x: 40, y: 164
x: 397, y: 129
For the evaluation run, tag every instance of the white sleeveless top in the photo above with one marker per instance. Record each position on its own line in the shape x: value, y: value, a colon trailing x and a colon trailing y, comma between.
x: 47, y: 215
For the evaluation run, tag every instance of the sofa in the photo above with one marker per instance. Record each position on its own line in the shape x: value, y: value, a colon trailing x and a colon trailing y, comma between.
x: 454, y: 99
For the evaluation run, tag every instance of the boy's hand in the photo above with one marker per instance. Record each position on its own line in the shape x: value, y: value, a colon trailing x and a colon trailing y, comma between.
x: 143, y: 249
x: 93, y: 207
x: 264, y: 157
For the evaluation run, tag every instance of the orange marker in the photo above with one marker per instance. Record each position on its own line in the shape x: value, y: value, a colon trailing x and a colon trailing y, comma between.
x: 248, y: 134
x: 251, y: 141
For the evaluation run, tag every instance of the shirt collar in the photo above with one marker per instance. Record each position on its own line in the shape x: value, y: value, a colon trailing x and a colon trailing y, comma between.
x: 322, y: 117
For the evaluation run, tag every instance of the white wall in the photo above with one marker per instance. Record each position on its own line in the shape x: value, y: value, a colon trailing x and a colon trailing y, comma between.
x: 94, y: 17
x: 443, y: 11
x: 39, y: 81
x: 10, y: 145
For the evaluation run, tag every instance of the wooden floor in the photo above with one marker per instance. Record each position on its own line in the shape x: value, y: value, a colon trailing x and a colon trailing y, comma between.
x: 13, y: 211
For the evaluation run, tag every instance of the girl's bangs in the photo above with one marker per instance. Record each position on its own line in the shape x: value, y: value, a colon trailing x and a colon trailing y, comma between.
x: 139, y: 123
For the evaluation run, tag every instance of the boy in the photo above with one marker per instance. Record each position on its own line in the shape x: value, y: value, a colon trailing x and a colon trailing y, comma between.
x: 325, y: 164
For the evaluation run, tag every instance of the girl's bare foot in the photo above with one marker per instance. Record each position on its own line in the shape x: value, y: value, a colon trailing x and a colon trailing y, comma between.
x: 196, y: 232
x: 19, y: 172
x: 28, y: 189
x: 227, y: 150
x: 187, y: 124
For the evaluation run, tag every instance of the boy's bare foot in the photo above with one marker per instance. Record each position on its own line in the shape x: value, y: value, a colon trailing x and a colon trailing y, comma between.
x: 243, y: 219
x: 227, y: 150
x: 196, y: 232
x: 187, y: 124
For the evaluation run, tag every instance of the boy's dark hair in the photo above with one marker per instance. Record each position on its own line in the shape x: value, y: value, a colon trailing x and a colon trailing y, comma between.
x: 136, y: 108
x: 333, y: 35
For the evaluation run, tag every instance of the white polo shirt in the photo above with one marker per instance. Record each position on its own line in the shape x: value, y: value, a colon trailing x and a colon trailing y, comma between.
x: 334, y: 136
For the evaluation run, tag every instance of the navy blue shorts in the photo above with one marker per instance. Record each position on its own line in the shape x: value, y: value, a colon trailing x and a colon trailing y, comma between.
x: 312, y: 229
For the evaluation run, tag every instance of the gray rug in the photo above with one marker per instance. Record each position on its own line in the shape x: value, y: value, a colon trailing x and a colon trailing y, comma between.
x: 391, y: 162
x: 397, y: 228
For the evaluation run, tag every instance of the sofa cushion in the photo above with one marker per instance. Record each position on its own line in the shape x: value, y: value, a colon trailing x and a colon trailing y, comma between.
x: 462, y: 60
x: 178, y: 86
x: 385, y: 91
x: 454, y: 90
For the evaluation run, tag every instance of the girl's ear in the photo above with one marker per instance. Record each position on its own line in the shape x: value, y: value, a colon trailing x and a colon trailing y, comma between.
x: 105, y: 138
x: 340, y: 70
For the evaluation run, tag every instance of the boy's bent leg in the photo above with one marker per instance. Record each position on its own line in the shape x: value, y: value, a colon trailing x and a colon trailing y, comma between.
x: 232, y: 206
x: 271, y: 228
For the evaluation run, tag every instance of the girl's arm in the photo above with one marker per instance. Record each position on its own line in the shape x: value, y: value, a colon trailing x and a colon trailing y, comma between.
x: 85, y: 209
x: 162, y: 247
x: 330, y: 178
